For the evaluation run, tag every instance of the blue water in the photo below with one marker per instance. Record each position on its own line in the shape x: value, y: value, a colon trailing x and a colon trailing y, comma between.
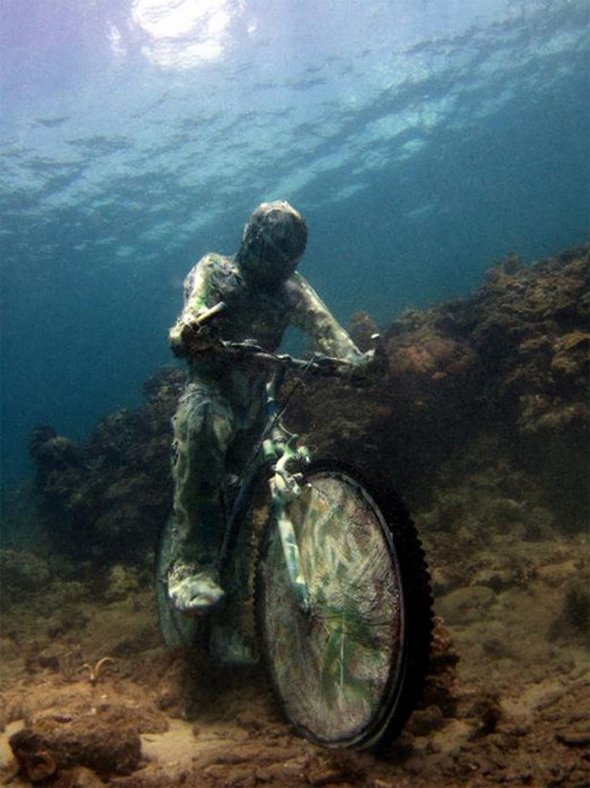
x: 422, y: 139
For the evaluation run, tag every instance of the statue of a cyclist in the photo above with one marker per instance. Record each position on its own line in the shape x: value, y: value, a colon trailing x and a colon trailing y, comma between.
x: 221, y: 412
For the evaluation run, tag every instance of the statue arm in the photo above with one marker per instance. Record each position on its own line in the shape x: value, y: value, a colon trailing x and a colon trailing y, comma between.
x: 313, y: 317
x: 197, y: 298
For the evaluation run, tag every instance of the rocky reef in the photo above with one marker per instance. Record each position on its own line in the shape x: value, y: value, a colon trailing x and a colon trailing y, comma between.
x: 106, y: 500
x: 510, y: 361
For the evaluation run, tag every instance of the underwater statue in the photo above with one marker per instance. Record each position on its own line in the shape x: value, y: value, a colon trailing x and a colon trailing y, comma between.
x: 222, y: 410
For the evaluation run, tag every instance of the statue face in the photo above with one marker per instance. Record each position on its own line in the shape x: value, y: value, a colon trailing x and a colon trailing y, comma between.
x: 273, y: 241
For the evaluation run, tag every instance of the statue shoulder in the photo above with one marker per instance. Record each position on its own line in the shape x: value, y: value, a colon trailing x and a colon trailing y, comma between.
x: 203, y: 273
x: 210, y: 264
x: 215, y: 261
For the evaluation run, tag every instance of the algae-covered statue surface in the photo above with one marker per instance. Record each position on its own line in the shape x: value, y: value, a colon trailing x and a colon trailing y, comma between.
x: 221, y: 413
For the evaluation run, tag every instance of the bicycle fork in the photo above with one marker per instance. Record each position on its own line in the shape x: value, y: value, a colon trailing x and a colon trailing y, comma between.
x: 285, y: 488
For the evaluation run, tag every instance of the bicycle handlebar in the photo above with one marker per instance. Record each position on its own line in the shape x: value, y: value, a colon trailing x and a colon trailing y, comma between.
x: 317, y: 363
x: 248, y: 350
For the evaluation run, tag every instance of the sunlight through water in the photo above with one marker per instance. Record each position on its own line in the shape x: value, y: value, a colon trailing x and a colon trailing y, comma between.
x: 184, y: 33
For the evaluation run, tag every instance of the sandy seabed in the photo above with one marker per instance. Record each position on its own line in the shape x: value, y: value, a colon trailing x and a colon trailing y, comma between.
x: 519, y: 710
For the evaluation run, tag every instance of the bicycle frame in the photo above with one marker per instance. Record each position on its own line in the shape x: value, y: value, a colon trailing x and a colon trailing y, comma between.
x: 278, y: 451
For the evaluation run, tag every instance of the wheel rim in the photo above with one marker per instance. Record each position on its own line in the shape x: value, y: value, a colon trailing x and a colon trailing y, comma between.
x: 336, y: 668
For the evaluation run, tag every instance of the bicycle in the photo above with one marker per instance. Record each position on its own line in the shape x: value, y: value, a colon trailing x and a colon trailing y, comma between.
x: 341, y: 594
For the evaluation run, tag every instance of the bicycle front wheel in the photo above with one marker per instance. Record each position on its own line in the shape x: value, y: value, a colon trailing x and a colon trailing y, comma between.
x: 349, y: 671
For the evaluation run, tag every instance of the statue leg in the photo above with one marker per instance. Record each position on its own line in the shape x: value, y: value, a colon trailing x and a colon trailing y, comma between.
x: 203, y: 428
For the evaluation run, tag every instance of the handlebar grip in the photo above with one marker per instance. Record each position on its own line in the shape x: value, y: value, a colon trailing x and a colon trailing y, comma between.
x: 209, y: 313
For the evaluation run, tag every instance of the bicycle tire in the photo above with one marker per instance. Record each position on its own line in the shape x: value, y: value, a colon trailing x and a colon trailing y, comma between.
x: 349, y: 673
